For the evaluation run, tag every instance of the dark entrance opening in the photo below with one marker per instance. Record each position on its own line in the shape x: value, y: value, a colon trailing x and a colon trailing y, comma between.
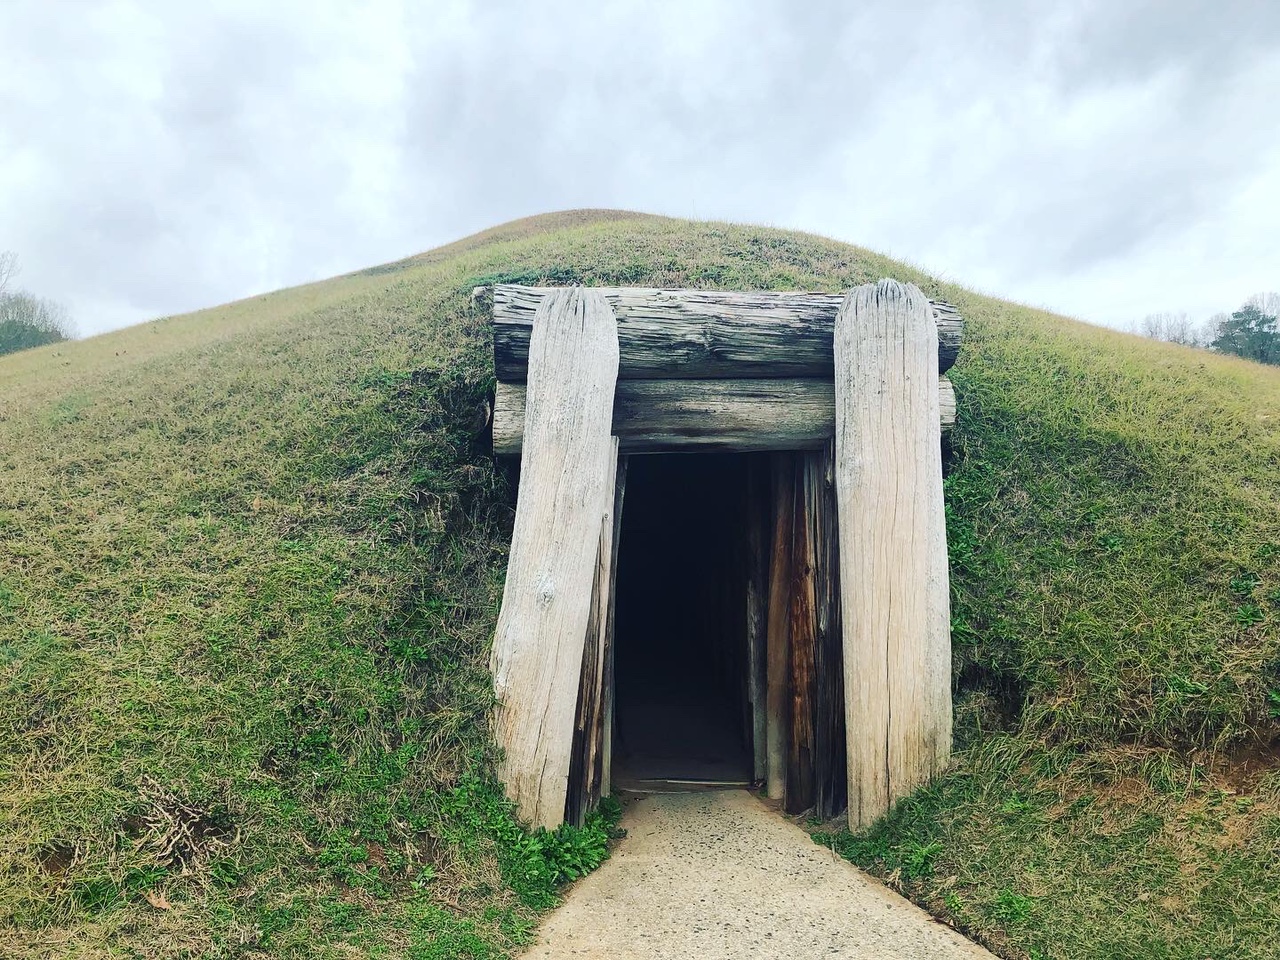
x: 681, y: 708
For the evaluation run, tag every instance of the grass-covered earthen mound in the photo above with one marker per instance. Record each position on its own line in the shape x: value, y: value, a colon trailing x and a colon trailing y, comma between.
x: 250, y: 561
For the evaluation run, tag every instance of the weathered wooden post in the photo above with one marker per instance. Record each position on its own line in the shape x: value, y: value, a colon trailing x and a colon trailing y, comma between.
x: 893, y: 550
x: 778, y: 630
x: 589, y: 764
x: 847, y: 624
x: 565, y: 493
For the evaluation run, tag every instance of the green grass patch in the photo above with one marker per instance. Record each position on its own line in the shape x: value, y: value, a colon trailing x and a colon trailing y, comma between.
x: 250, y: 561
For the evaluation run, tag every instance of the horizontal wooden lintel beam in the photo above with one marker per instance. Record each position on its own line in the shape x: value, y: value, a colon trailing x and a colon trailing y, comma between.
x: 740, y: 416
x: 702, y: 334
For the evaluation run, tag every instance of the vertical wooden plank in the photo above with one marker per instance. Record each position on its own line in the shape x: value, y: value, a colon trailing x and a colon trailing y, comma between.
x: 778, y: 680
x: 566, y: 475
x: 606, y: 733
x: 893, y: 559
x: 584, y: 764
x: 759, y: 508
x: 829, y: 763
x: 803, y: 631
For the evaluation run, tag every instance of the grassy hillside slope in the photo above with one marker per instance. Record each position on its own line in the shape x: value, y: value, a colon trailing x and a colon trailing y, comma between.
x: 250, y: 561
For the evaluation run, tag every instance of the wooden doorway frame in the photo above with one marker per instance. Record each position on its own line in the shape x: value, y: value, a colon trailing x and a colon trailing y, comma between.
x: 848, y: 393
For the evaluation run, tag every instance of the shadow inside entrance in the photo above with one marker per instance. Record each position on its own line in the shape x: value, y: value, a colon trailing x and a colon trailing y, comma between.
x: 682, y: 717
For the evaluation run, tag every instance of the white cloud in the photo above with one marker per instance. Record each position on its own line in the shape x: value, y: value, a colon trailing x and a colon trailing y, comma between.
x: 1108, y: 159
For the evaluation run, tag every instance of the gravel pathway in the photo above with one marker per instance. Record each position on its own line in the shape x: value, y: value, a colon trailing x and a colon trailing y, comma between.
x: 706, y: 876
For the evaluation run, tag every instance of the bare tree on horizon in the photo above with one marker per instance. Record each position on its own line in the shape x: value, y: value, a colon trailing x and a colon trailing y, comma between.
x: 1268, y: 303
x: 1173, y: 328
x: 26, y: 320
x: 8, y: 269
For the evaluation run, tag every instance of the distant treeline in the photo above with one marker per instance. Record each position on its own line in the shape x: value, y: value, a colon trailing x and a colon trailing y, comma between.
x: 1252, y: 332
x: 28, y: 321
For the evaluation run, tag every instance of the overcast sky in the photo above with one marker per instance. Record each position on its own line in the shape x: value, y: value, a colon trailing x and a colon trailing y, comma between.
x: 1105, y: 158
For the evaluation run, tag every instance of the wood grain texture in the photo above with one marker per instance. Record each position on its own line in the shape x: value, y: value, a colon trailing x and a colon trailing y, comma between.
x: 893, y: 552
x: 565, y: 491
x: 606, y: 745
x: 778, y: 640
x: 758, y: 558
x: 803, y: 631
x: 739, y: 416
x: 586, y: 761
x: 702, y: 334
x: 829, y: 761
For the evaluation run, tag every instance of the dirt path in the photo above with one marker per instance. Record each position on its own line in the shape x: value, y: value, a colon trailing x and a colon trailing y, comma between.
x: 706, y: 876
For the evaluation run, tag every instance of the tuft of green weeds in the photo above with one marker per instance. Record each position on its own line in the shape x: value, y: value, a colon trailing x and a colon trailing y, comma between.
x: 535, y: 864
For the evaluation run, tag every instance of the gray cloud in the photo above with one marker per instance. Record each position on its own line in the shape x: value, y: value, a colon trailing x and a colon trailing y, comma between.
x: 1107, y: 158
x: 1111, y: 43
